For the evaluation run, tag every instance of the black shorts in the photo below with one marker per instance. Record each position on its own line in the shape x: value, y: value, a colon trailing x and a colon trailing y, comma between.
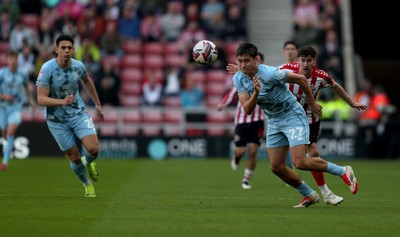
x: 314, y: 131
x: 249, y: 133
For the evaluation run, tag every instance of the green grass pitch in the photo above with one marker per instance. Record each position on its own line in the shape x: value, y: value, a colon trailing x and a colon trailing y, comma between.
x: 180, y: 197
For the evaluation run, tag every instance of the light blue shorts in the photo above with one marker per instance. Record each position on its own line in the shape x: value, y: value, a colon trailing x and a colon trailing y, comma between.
x: 66, y: 132
x: 289, y: 129
x: 10, y: 116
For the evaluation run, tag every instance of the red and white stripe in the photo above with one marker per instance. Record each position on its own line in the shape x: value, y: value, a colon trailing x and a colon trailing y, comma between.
x: 319, y: 79
x: 240, y: 116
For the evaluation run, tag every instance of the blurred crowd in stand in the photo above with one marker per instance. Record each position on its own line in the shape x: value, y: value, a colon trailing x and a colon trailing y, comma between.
x: 118, y: 38
x: 318, y: 22
x: 379, y: 125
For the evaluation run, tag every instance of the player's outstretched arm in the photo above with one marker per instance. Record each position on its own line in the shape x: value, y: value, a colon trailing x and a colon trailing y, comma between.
x: 338, y: 89
x: 228, y: 97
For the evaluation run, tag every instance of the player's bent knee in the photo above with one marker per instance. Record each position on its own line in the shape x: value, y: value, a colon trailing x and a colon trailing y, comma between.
x: 75, y: 158
x: 73, y: 155
x: 277, y: 170
x: 299, y: 164
x: 93, y: 150
x: 315, y: 155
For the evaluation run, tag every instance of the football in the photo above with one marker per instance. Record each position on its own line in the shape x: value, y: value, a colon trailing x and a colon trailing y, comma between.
x: 205, y: 52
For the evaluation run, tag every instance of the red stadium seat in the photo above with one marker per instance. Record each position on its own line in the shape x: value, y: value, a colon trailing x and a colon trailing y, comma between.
x: 230, y: 51
x: 230, y: 114
x: 27, y: 115
x: 130, y: 130
x: 217, y: 76
x: 173, y: 116
x: 152, y: 119
x: 230, y: 48
x: 150, y: 48
x: 131, y: 117
x: 131, y: 61
x: 198, y: 76
x: 131, y: 88
x: 213, y: 101
x: 31, y: 21
x: 107, y: 130
x: 131, y: 75
x: 213, y: 131
x: 172, y: 48
x: 215, y: 89
x: 4, y: 47
x: 151, y: 130
x: 173, y: 130
x: 132, y: 47
x: 216, y: 117
x: 153, y: 61
x: 3, y: 60
x: 159, y: 74
x: 131, y: 121
x: 110, y: 116
x: 175, y: 60
x: 114, y: 60
x: 231, y: 130
x: 193, y: 132
x: 172, y: 101
x: 218, y: 121
x: 231, y: 58
x: 130, y: 101
x: 173, y: 120
x: 109, y: 127
x: 152, y: 115
x: 92, y: 112
x: 39, y: 116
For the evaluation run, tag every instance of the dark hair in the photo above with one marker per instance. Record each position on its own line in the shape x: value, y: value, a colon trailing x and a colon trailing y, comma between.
x: 261, y: 56
x: 64, y: 38
x: 292, y: 43
x: 305, y: 51
x: 12, y: 53
x: 247, y: 48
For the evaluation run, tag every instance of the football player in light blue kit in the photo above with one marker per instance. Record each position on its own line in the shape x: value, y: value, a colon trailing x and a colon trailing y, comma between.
x: 66, y: 117
x: 13, y: 86
x: 287, y: 121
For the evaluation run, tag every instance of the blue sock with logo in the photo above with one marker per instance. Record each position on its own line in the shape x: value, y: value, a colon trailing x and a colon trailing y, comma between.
x: 335, y: 169
x: 304, y: 189
x: 80, y: 171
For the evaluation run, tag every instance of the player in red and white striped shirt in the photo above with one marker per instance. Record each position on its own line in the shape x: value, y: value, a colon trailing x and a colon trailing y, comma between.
x: 317, y: 79
x: 249, y: 130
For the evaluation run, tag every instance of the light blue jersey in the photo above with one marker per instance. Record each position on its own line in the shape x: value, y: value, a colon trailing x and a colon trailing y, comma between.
x: 12, y: 83
x: 274, y: 98
x: 68, y: 122
x: 61, y: 83
x: 287, y: 120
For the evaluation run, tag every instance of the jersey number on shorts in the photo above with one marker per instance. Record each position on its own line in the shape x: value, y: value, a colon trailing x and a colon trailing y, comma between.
x: 89, y: 123
x: 295, y: 133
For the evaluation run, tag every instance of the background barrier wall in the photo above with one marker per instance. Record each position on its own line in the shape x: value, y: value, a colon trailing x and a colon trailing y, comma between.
x: 337, y: 141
